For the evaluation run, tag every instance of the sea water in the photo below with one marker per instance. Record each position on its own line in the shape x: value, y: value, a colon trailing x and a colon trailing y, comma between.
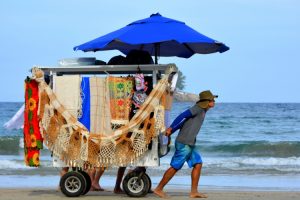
x: 243, y: 145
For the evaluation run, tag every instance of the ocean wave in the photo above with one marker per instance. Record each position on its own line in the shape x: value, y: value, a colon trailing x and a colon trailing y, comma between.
x: 9, y: 145
x: 254, y: 165
x: 254, y: 148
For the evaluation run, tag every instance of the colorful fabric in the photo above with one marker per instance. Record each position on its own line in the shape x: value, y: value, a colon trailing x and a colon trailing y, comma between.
x: 67, y: 90
x: 68, y: 139
x: 139, y: 82
x: 32, y: 157
x: 33, y: 140
x: 100, y: 109
x: 85, y: 118
x: 139, y: 98
x: 120, y: 92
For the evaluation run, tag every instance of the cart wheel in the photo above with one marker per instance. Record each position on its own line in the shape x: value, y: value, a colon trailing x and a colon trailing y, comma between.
x: 150, y: 182
x: 136, y: 184
x: 72, y: 184
x: 88, y: 182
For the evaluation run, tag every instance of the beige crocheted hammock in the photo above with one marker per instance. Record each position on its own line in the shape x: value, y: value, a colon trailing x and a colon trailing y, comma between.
x: 69, y: 140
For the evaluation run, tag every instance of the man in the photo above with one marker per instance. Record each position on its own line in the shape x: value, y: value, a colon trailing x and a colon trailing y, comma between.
x: 189, y: 122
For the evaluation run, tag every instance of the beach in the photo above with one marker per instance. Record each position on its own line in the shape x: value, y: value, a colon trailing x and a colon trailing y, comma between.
x: 47, y: 194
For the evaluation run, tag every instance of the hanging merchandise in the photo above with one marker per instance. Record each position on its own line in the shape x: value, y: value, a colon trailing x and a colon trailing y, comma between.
x: 139, y: 82
x: 66, y: 88
x: 139, y: 96
x: 86, y: 102
x: 120, y: 92
x: 33, y: 140
x: 69, y: 140
x: 100, y: 117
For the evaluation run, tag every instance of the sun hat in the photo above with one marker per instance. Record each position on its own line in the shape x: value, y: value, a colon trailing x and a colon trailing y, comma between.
x: 205, y: 97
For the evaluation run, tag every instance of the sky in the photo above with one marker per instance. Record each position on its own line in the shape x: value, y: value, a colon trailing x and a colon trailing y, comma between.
x: 262, y: 65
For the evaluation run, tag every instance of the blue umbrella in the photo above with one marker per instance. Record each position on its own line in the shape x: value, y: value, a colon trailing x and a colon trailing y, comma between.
x: 158, y: 35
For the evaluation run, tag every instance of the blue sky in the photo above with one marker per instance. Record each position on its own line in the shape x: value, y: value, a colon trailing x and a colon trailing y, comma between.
x: 263, y: 64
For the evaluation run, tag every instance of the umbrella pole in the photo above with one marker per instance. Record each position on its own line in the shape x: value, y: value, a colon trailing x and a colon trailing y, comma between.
x: 156, y: 48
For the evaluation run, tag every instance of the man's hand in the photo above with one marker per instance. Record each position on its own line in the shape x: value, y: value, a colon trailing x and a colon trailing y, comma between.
x: 169, y: 131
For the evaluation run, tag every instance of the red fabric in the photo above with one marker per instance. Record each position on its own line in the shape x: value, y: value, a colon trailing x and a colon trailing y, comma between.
x: 32, y: 157
x: 33, y: 140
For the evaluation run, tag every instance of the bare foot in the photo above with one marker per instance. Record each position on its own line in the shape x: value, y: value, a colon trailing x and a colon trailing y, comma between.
x: 119, y: 191
x: 96, y: 188
x: 198, y: 195
x: 160, y: 193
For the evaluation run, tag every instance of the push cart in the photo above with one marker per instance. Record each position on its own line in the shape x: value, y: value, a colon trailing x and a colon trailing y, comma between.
x: 136, y: 183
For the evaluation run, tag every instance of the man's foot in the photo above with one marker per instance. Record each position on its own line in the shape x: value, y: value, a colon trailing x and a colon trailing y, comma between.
x: 160, y: 193
x: 96, y: 188
x: 119, y: 191
x: 197, y: 195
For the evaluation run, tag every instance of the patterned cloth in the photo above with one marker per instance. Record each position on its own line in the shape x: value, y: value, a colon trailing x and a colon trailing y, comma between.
x: 100, y: 113
x: 120, y: 92
x: 33, y: 140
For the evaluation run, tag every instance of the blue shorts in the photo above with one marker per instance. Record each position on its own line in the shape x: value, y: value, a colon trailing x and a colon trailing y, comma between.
x: 185, y: 153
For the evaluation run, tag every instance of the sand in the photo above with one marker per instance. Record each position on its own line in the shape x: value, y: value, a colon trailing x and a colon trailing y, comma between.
x: 51, y: 194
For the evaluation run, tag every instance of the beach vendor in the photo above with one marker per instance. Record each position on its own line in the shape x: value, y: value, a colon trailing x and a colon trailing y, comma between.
x: 189, y: 122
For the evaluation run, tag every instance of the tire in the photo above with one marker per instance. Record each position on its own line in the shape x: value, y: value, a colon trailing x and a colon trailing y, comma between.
x: 88, y: 182
x: 136, y: 184
x: 150, y: 183
x: 72, y: 184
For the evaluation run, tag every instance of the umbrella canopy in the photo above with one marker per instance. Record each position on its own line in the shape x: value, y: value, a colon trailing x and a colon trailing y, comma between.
x: 158, y: 35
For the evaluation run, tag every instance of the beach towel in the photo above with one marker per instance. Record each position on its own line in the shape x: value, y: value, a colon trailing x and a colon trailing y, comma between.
x: 85, y: 118
x: 67, y: 90
x: 33, y: 140
x: 120, y: 91
x: 68, y: 139
x: 100, y: 109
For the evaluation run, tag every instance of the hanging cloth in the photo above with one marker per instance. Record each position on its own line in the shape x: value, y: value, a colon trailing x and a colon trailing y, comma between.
x: 86, y: 102
x: 33, y: 140
x: 100, y: 112
x: 67, y: 90
x: 120, y: 92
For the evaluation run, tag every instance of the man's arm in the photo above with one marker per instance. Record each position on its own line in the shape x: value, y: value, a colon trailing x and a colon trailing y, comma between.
x: 178, y: 122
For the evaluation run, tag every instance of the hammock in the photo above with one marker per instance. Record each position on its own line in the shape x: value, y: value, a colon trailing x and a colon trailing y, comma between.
x: 69, y: 140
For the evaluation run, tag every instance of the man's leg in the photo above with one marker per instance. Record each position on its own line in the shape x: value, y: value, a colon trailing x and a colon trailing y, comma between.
x: 166, y: 178
x: 63, y: 171
x: 196, y: 172
x: 120, y: 175
x: 97, y: 175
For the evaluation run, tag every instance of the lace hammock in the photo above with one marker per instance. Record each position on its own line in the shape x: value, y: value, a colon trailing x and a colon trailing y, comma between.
x: 69, y: 140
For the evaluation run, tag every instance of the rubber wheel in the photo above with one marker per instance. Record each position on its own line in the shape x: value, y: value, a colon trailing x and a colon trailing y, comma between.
x: 72, y: 184
x: 150, y: 183
x: 88, y: 182
x: 135, y: 186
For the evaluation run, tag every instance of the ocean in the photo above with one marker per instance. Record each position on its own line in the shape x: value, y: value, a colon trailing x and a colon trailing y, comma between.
x: 243, y: 146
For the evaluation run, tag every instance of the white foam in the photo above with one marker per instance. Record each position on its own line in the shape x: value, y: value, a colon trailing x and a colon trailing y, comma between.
x: 290, y: 164
x: 9, y: 164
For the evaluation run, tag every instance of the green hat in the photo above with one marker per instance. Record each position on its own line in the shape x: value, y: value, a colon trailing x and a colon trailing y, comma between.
x: 205, y: 97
